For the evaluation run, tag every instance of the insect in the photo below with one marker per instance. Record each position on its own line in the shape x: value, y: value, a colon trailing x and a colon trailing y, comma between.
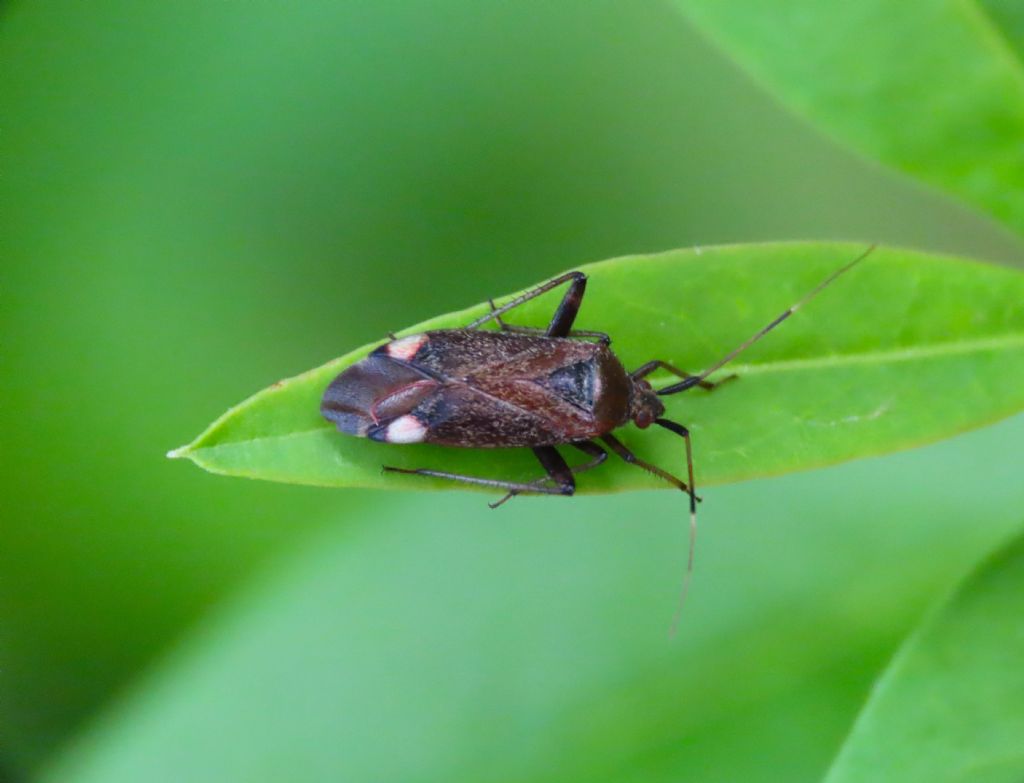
x: 521, y: 387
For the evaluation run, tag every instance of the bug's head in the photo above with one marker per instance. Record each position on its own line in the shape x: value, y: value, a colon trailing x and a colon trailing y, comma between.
x: 644, y: 405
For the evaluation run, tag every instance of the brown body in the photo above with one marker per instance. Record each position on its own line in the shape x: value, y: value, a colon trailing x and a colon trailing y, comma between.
x: 482, y: 389
x: 520, y: 386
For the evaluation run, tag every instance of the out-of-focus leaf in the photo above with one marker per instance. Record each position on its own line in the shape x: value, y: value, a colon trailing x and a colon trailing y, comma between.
x: 905, y: 349
x: 950, y: 708
x: 435, y: 640
x: 933, y: 88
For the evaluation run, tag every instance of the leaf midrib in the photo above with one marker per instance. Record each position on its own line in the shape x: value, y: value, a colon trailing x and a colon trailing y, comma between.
x: 889, y: 356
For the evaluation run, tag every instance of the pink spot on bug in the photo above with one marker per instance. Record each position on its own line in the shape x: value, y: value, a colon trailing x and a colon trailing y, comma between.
x: 406, y: 347
x: 407, y: 429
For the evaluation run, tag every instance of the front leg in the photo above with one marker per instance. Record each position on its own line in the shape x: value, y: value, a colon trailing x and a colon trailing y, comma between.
x: 646, y: 369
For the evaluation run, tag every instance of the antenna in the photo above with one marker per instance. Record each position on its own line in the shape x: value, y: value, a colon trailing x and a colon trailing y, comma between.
x: 693, y: 380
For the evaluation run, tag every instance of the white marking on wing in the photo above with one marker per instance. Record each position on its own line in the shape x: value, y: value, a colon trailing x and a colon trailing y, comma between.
x: 407, y: 429
x: 406, y: 347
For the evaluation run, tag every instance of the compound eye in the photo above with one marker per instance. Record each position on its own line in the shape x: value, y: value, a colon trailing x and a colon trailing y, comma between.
x: 643, y: 419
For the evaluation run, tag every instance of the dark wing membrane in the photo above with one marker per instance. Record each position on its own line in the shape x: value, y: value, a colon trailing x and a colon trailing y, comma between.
x: 374, y: 387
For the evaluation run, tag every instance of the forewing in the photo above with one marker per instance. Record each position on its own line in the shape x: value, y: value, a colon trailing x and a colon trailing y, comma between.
x: 519, y: 414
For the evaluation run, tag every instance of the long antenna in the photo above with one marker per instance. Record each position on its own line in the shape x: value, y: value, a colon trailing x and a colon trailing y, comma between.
x: 693, y: 380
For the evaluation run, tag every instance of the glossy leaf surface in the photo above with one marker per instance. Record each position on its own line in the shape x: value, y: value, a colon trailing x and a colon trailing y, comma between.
x: 904, y: 350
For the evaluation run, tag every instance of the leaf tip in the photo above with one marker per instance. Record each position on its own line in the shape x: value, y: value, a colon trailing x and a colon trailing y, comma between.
x: 180, y: 452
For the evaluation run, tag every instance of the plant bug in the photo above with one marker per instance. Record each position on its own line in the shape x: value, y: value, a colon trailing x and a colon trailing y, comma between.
x: 521, y: 387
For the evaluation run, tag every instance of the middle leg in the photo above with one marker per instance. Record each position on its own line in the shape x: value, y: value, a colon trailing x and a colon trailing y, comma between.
x: 601, y: 337
x: 564, y: 316
x: 620, y: 448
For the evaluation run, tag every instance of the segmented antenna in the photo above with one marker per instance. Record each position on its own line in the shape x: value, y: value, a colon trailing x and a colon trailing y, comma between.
x: 675, y: 388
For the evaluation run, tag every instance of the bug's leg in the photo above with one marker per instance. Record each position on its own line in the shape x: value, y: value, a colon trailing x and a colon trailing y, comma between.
x: 557, y: 469
x: 598, y: 455
x: 565, y: 315
x: 601, y: 337
x: 501, y: 324
x: 566, y: 310
x: 651, y: 366
x: 589, y: 334
x: 512, y: 486
x: 619, y: 448
x: 684, y: 433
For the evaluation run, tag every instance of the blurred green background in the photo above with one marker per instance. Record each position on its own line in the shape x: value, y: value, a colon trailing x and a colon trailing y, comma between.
x: 197, y: 199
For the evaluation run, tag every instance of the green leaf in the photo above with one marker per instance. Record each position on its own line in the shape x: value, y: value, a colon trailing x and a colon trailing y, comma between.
x: 905, y: 349
x: 951, y: 705
x: 933, y: 88
x: 437, y: 641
